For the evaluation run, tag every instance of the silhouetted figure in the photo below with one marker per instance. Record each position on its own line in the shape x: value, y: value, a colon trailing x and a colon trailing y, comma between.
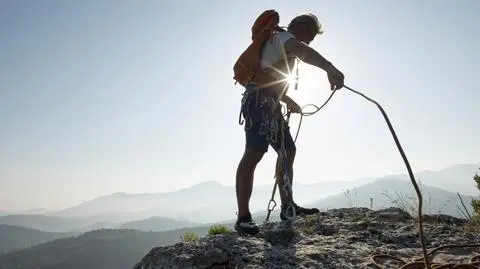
x: 261, y: 108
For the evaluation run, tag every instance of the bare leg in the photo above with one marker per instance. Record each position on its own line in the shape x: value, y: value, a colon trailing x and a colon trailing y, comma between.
x: 244, y: 179
x: 279, y: 175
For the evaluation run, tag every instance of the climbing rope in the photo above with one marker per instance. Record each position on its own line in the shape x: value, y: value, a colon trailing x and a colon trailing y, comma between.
x: 416, y: 263
x: 287, y: 121
x: 410, y: 173
x: 287, y: 187
x: 474, y: 262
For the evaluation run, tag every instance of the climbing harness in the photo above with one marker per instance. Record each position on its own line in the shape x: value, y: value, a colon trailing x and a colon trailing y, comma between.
x: 272, y: 203
x: 282, y: 154
x: 266, y: 110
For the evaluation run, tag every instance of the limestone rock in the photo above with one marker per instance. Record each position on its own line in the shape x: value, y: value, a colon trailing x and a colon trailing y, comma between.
x: 339, y: 238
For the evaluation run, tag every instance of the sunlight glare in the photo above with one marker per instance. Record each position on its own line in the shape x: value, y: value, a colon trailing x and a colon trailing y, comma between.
x: 308, y: 84
x: 291, y: 79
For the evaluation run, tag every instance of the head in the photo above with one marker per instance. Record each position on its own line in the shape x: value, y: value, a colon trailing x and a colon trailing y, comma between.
x: 305, y: 27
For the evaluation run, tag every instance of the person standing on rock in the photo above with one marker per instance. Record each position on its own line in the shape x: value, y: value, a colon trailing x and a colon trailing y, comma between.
x: 261, y: 108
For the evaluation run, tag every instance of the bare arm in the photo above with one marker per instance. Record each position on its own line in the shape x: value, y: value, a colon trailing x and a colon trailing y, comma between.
x: 306, y: 54
x: 286, y: 99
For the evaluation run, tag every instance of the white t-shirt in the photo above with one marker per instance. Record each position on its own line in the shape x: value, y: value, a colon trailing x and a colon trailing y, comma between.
x: 273, y: 50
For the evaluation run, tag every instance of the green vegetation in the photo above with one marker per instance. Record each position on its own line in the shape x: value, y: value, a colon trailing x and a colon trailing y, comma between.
x: 313, y: 218
x: 473, y: 226
x: 190, y: 237
x: 409, y: 203
x: 308, y: 230
x: 476, y: 202
x: 219, y: 229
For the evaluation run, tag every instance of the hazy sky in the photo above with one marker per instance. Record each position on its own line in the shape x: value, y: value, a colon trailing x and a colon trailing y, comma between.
x: 98, y: 97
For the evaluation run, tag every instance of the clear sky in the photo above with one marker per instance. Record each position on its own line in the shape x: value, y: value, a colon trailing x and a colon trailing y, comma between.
x: 98, y: 97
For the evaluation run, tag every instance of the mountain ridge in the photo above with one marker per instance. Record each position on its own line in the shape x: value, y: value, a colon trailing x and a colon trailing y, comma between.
x: 15, y: 237
x: 207, y: 209
x: 467, y: 172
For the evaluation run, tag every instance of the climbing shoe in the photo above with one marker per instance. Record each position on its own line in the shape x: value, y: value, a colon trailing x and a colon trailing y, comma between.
x: 246, y: 225
x: 284, y: 215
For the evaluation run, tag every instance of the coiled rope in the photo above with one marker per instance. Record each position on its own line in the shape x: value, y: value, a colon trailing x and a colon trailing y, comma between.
x: 474, y: 262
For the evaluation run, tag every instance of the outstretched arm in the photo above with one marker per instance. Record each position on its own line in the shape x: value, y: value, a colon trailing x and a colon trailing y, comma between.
x: 310, y: 56
x: 306, y: 54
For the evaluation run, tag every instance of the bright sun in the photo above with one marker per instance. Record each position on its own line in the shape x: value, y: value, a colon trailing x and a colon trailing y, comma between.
x: 291, y: 79
x: 308, y: 80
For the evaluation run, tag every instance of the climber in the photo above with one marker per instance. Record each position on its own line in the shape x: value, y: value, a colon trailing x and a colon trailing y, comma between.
x: 262, y: 111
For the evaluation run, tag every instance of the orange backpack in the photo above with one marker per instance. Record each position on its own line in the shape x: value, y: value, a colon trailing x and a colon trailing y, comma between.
x: 248, y: 64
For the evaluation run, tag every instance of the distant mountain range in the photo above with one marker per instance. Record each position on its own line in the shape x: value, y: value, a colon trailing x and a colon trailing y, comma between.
x: 56, y: 224
x: 399, y: 193
x: 158, y: 224
x: 25, y: 212
x: 102, y: 248
x: 211, y: 202
x: 73, y: 238
x: 16, y: 238
x: 106, y: 249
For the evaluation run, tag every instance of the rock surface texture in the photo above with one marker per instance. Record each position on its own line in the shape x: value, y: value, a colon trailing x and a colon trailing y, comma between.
x: 339, y: 238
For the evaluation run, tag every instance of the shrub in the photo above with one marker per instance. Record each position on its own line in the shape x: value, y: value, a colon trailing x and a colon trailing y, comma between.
x: 476, y: 203
x: 219, y: 229
x: 190, y: 237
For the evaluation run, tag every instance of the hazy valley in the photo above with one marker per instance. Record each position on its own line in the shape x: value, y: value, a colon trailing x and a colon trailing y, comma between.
x: 115, y: 231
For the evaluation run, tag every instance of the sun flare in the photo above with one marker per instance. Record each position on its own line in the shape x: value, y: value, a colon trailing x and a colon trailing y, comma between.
x: 291, y: 79
x: 301, y: 85
x: 308, y: 84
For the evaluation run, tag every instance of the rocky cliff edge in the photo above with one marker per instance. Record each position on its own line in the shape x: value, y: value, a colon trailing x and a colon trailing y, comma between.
x: 338, y: 238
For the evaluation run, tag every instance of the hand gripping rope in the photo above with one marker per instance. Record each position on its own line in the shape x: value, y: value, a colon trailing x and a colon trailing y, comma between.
x: 475, y: 261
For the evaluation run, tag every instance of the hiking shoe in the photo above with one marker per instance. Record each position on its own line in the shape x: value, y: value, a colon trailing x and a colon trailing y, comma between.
x: 246, y: 225
x: 298, y: 211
